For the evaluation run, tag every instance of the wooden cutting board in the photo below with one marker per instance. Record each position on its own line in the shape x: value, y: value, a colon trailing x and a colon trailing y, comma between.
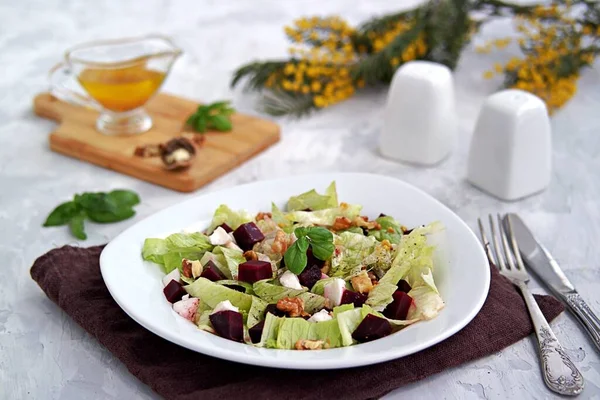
x: 76, y: 136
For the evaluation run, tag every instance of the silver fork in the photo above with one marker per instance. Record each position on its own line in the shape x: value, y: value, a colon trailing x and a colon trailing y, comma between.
x: 559, y: 372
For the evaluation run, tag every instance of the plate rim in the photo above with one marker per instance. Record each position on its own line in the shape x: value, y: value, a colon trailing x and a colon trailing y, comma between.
x: 305, y: 363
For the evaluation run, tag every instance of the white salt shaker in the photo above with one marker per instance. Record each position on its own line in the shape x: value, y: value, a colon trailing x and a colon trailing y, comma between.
x: 420, y: 119
x: 511, y: 148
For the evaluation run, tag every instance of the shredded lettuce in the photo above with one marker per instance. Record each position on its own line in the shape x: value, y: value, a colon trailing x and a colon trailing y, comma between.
x: 354, y: 248
x: 188, y: 242
x: 270, y: 330
x: 154, y: 249
x: 247, y: 287
x: 212, y: 294
x: 202, y: 317
x: 325, y: 217
x: 225, y: 215
x: 293, y: 329
x: 313, y: 302
x: 170, y: 251
x: 427, y: 303
x: 314, y: 201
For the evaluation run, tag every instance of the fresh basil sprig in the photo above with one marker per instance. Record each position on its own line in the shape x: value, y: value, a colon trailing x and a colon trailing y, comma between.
x: 319, y: 239
x: 212, y: 116
x: 99, y: 207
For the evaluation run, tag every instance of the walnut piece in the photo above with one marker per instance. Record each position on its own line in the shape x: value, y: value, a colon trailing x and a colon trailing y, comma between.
x: 305, y: 344
x: 261, y: 215
x: 326, y: 266
x: 148, y: 150
x: 281, y: 242
x: 362, y: 282
x: 373, y: 278
x: 250, y: 255
x: 177, y: 153
x: 341, y: 223
x: 293, y: 306
x: 363, y: 222
x: 186, y: 267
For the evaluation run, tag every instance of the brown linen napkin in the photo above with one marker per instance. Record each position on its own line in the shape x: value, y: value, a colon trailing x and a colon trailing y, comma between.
x: 70, y: 276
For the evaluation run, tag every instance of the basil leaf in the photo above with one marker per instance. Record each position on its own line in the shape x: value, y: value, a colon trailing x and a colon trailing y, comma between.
x: 191, y: 121
x: 200, y: 125
x: 319, y: 234
x: 220, y: 122
x: 295, y: 256
x: 96, y: 202
x: 321, y: 241
x: 62, y: 214
x: 124, y: 198
x: 107, y: 216
x: 76, y: 226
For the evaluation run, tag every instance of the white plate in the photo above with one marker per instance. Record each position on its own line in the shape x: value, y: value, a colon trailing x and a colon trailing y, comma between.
x: 463, y: 283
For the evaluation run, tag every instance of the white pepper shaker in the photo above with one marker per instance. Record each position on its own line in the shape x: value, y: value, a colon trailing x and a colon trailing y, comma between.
x: 511, y: 149
x: 420, y: 120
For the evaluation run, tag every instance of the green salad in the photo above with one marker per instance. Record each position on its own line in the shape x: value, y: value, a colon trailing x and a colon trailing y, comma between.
x: 316, y: 274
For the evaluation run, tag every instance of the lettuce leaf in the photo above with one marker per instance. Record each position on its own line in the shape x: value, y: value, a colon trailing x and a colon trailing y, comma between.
x: 233, y: 258
x: 313, y: 302
x: 325, y: 217
x: 348, y: 321
x: 247, y: 287
x: 172, y: 260
x: 270, y: 331
x: 427, y: 303
x: 390, y: 230
x: 154, y: 249
x: 225, y: 215
x: 202, y: 318
x: 340, y: 309
x: 189, y: 242
x: 314, y: 201
x: 212, y: 294
x: 272, y: 293
x: 293, y: 329
x: 257, y: 311
x: 354, y: 249
x: 413, y: 262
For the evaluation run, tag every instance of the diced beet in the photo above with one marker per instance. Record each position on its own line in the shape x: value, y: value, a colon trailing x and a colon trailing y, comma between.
x: 239, y: 288
x: 211, y: 272
x: 226, y: 227
x: 365, y: 231
x: 254, y: 270
x: 272, y: 308
x: 350, y: 297
x: 372, y: 327
x: 403, y: 286
x: 228, y: 324
x: 381, y: 215
x: 310, y: 276
x: 256, y: 332
x: 398, y: 309
x: 248, y: 234
x: 174, y: 291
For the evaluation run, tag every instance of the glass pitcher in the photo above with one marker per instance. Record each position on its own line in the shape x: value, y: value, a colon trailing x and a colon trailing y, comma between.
x: 117, y: 78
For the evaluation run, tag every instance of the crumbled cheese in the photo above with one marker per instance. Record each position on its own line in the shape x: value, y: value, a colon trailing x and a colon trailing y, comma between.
x: 171, y: 276
x: 334, y: 291
x: 187, y: 308
x: 290, y: 280
x: 322, y: 315
x: 233, y: 246
x: 219, y: 237
x: 225, y: 306
x: 196, y: 268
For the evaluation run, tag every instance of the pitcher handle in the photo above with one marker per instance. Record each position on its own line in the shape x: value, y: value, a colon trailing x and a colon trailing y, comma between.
x: 58, y: 76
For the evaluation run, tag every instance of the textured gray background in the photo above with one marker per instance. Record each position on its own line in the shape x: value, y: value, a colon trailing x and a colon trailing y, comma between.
x: 44, y: 355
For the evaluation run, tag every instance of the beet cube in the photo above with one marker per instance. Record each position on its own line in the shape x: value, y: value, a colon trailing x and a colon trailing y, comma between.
x: 403, y: 286
x: 371, y: 328
x: 256, y: 332
x: 310, y: 276
x: 228, y: 324
x: 272, y: 308
x: 247, y: 235
x: 211, y: 272
x: 174, y: 291
x: 398, y: 309
x: 226, y: 227
x: 350, y: 297
x: 254, y: 270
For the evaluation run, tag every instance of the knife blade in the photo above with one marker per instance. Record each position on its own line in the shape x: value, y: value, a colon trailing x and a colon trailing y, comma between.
x: 541, y: 262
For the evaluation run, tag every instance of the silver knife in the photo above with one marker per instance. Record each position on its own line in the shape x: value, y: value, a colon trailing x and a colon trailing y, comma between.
x: 539, y: 259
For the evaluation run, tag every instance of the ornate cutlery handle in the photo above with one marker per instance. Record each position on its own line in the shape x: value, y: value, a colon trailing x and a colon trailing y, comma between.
x: 559, y: 372
x: 585, y: 315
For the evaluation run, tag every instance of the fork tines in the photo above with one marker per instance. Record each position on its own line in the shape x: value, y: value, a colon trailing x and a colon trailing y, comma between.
x: 510, y: 258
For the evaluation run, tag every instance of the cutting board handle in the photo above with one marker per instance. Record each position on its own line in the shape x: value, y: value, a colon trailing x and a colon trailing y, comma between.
x: 48, y: 106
